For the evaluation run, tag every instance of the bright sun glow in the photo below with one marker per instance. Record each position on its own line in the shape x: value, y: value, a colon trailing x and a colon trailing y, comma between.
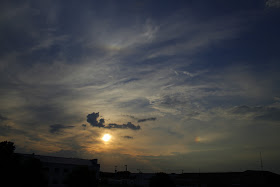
x: 106, y: 137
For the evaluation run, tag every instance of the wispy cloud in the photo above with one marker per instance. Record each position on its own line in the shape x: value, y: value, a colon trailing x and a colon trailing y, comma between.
x: 265, y: 113
x: 2, y: 118
x: 184, y: 76
x: 58, y: 128
x: 146, y: 119
x: 273, y: 3
x: 128, y: 137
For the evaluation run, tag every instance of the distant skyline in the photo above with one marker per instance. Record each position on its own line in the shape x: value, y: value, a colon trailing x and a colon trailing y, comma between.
x: 178, y: 85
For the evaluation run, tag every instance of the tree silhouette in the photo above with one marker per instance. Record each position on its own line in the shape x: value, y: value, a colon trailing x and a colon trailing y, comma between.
x: 6, y: 149
x: 16, y: 170
x: 8, y: 163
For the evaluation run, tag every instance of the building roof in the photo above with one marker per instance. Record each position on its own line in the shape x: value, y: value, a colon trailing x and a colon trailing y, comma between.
x: 62, y: 160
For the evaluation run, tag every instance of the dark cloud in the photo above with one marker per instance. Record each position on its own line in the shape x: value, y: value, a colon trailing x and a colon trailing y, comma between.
x: 147, y: 119
x: 129, y: 125
x: 132, y: 117
x: 84, y: 126
x: 142, y: 120
x: 57, y: 128
x: 93, y: 120
x: 3, y: 118
x: 260, y: 112
x: 128, y: 137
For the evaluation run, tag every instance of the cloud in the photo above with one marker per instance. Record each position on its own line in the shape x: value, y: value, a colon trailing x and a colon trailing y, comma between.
x: 5, y: 130
x: 271, y: 114
x: 273, y: 3
x: 128, y: 137
x: 244, y: 109
x: 93, y: 120
x: 266, y: 113
x: 143, y: 119
x: 84, y: 126
x: 129, y: 125
x: 147, y: 119
x: 57, y: 128
x: 3, y: 118
x: 277, y: 98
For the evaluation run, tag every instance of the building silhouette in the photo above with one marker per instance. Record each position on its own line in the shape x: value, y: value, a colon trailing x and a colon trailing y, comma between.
x: 57, y: 169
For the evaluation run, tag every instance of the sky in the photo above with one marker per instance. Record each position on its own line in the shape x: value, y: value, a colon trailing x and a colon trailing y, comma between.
x: 187, y: 85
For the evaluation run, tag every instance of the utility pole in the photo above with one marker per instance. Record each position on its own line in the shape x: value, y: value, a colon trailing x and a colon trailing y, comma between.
x: 262, y: 175
x: 116, y: 169
x: 125, y: 167
x: 261, y: 161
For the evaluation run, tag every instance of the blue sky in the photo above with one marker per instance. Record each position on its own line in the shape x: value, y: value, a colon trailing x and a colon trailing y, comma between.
x: 179, y: 85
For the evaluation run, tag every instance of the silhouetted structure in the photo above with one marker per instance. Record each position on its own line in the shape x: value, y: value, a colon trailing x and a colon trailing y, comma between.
x: 17, y: 170
x: 246, y: 178
x: 161, y: 179
x: 58, y: 169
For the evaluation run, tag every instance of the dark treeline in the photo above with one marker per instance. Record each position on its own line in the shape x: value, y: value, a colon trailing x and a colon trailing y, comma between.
x: 18, y: 171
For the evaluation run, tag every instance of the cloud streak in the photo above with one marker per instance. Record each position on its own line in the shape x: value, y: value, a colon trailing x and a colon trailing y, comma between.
x: 58, y: 128
x: 128, y: 137
x: 273, y: 3
x: 146, y: 119
x: 92, y: 119
x: 266, y: 113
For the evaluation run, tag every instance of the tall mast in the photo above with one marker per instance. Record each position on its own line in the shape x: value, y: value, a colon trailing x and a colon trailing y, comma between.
x: 261, y: 161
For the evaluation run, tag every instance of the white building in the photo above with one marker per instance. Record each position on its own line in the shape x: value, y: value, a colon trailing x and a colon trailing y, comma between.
x: 57, y: 168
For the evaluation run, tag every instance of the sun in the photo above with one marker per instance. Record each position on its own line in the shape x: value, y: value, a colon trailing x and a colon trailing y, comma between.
x: 106, y: 137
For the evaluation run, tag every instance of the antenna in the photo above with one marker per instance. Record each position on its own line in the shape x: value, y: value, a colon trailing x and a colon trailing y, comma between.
x: 125, y: 167
x: 261, y: 161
